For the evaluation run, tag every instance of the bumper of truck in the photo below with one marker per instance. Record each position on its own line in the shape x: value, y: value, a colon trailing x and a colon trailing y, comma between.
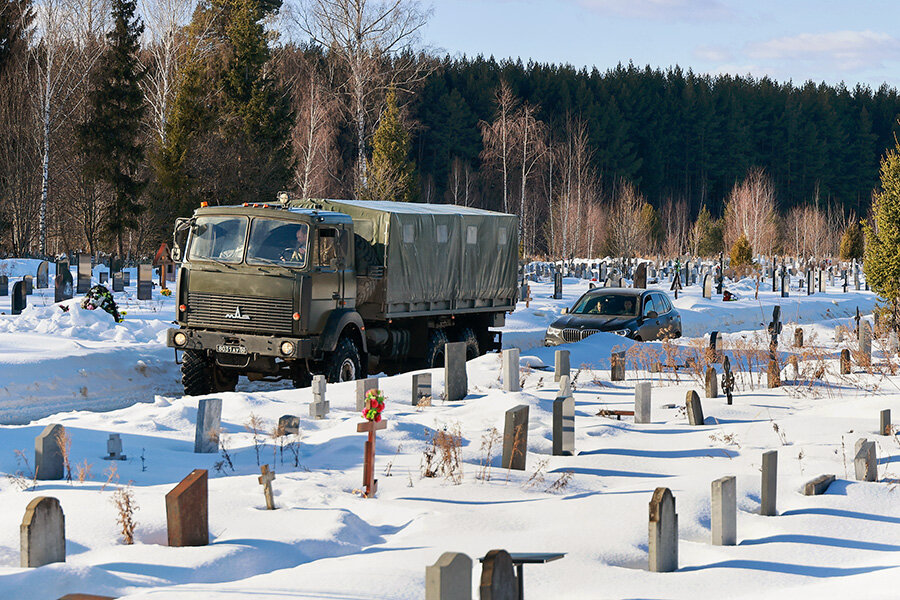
x: 251, y: 345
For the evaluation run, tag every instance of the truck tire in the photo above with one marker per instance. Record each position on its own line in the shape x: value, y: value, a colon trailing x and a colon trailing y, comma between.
x: 196, y: 373
x: 343, y: 364
x: 224, y: 380
x: 300, y: 376
x: 434, y: 351
x: 467, y: 335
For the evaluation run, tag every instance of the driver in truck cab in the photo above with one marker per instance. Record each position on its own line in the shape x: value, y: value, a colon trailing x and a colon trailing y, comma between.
x: 299, y: 253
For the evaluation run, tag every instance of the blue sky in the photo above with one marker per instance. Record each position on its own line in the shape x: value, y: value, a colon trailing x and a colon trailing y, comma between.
x: 824, y: 40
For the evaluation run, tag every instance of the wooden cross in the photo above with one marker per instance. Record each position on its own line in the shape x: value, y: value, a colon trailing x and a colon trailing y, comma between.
x: 266, y: 481
x: 370, y: 427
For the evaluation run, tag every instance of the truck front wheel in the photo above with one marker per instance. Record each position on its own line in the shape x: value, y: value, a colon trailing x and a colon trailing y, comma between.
x: 196, y: 373
x: 344, y: 363
x: 467, y: 335
x: 434, y: 352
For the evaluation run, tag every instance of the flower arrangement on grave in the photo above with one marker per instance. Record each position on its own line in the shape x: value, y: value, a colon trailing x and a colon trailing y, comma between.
x: 100, y: 297
x: 165, y: 292
x: 374, y: 405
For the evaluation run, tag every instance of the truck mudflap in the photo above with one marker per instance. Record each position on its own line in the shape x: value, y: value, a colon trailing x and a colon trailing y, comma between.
x: 240, y: 344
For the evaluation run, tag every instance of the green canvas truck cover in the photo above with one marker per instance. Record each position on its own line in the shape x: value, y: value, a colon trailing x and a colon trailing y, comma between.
x: 437, y: 256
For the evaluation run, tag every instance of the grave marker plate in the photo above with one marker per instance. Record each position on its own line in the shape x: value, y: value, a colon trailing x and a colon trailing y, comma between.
x: 421, y: 389
x: 42, y: 280
x: 145, y: 282
x: 84, y: 274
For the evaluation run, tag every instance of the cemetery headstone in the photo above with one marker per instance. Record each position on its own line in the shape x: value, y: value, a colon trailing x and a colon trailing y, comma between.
x: 822, y: 282
x: 187, y: 511
x: 713, y: 345
x: 19, y: 300
x: 421, y: 389
x: 865, y: 463
x: 28, y: 282
x: 563, y: 426
x: 694, y: 408
x: 209, y: 421
x: 707, y: 286
x: 561, y: 364
x: 319, y: 407
x: 4, y: 285
x: 104, y: 277
x: 785, y: 284
x: 114, y: 448
x: 42, y: 534
x: 456, y: 381
x: 145, y: 282
x: 288, y: 425
x: 498, y: 579
x: 712, y: 388
x: 118, y: 282
x: 84, y: 273
x: 510, y: 358
x: 818, y: 486
x: 893, y: 342
x: 642, y: 402
x: 42, y: 280
x: 845, y: 362
x: 265, y: 480
x: 62, y: 284
x: 768, y: 494
x: 48, y: 456
x: 617, y: 366
x: 565, y: 386
x: 884, y: 422
x: 723, y: 524
x: 865, y: 342
x: 363, y: 386
x: 810, y: 282
x: 727, y: 380
x: 640, y: 276
x: 126, y: 276
x: 515, y: 438
x: 663, y: 532
x: 557, y: 285
x: 449, y: 578
x: 798, y: 338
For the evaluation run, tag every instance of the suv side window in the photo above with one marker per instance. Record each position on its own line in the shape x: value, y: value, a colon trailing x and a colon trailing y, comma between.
x: 662, y: 303
x: 649, y: 305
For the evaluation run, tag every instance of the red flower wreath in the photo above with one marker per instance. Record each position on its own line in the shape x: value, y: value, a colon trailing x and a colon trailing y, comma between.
x: 375, y: 399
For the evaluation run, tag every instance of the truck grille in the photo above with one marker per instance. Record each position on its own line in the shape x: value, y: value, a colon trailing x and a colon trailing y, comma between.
x: 576, y: 335
x: 240, y: 313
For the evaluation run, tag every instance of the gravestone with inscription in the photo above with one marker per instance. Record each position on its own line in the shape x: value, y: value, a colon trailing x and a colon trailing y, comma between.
x: 694, y: 408
x: 145, y: 282
x: 84, y: 273
x: 421, y: 389
x: 209, y: 421
x: 48, y: 455
x: 19, y: 300
x: 663, y: 532
x: 42, y: 534
x: 42, y: 279
x: 515, y: 438
x: 456, y: 382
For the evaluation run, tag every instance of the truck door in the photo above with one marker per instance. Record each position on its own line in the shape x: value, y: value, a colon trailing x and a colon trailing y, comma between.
x: 329, y: 266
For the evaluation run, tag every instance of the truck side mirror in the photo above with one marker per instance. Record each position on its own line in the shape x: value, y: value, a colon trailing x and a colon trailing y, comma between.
x: 565, y: 310
x: 179, y: 237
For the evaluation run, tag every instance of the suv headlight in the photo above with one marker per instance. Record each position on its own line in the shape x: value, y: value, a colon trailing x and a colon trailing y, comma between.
x: 554, y: 330
x: 623, y: 332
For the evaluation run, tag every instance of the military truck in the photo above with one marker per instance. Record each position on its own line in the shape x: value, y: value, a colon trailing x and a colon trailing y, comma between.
x: 288, y: 289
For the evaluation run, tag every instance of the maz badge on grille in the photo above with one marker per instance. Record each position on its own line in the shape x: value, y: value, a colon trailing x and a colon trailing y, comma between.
x: 237, y: 315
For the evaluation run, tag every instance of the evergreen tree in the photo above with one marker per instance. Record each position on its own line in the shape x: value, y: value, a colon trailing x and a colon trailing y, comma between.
x: 852, y: 242
x: 882, y: 260
x: 392, y: 173
x: 228, y: 140
x: 653, y: 227
x: 741, y: 252
x: 109, y: 137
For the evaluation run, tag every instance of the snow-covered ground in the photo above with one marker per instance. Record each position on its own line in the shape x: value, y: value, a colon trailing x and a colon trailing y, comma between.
x: 325, y: 541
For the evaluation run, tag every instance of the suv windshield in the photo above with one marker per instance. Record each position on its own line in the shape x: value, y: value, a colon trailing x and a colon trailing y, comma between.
x: 219, y: 239
x: 281, y: 242
x: 607, y: 304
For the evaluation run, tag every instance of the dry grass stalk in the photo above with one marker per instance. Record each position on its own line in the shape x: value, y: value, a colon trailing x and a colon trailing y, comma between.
x: 112, y: 475
x: 64, y: 442
x: 123, y: 498
x: 254, y: 425
x: 83, y: 471
x: 24, y: 478
x: 488, y: 440
x: 537, y: 478
x: 560, y: 484
x: 443, y: 454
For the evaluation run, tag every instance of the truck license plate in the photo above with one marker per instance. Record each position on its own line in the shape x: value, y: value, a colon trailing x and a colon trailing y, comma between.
x: 226, y: 349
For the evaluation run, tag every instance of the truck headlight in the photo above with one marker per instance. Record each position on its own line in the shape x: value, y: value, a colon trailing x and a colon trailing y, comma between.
x: 287, y: 348
x: 180, y: 339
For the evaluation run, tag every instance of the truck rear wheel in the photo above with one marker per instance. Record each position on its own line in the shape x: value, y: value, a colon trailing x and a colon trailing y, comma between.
x: 468, y: 336
x: 344, y: 363
x: 434, y: 352
x: 196, y: 373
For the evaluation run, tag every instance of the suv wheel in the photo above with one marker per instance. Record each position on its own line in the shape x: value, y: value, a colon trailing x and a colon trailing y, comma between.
x: 343, y: 364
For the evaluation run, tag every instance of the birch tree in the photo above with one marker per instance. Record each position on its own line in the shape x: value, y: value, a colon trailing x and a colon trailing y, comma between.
x: 364, y: 35
x: 497, y: 136
x: 530, y: 142
x: 750, y: 210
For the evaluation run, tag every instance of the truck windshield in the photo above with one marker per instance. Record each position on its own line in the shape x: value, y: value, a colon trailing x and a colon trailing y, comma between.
x: 219, y: 239
x: 606, y: 304
x: 280, y: 242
